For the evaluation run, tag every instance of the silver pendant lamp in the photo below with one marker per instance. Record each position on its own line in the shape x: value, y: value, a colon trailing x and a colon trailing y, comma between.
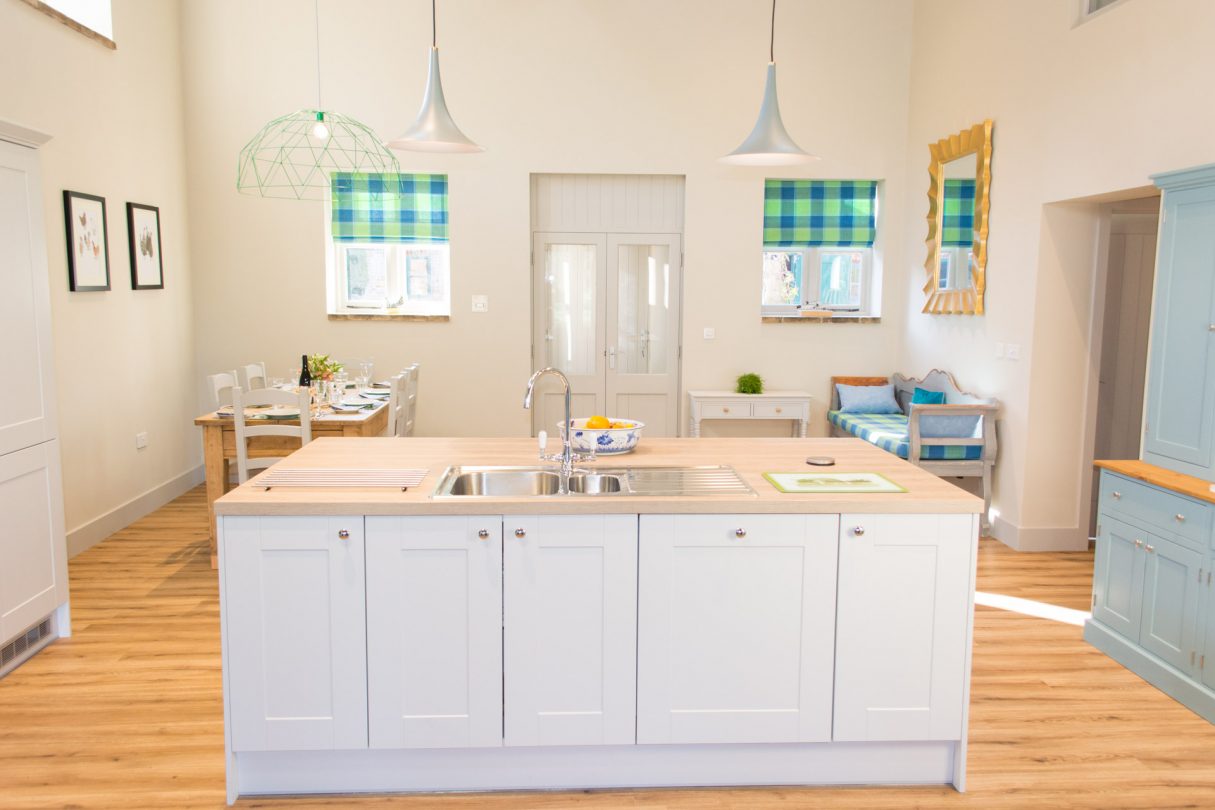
x: 769, y: 143
x: 434, y: 130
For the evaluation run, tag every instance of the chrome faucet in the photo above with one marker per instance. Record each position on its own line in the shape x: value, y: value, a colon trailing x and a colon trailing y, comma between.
x: 568, y: 456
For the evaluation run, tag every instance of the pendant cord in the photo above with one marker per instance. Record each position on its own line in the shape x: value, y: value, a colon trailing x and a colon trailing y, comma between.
x: 434, y: 26
x: 316, y: 7
x: 772, y: 36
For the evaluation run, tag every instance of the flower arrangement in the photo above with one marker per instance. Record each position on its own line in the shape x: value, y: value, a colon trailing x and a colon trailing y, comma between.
x: 321, y: 367
x: 750, y: 384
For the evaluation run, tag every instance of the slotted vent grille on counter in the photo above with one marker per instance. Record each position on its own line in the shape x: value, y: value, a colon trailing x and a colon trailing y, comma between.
x: 15, y: 651
x: 297, y: 477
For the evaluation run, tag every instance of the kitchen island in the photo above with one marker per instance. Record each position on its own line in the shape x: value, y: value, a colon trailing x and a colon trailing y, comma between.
x: 383, y: 640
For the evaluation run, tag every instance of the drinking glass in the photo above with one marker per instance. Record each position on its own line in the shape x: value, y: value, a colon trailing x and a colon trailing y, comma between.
x: 366, y: 367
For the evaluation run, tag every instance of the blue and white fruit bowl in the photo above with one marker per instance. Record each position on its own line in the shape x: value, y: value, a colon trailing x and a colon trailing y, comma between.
x: 605, y: 441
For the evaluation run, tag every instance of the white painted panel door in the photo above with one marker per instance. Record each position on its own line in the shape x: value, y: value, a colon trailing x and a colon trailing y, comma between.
x: 906, y: 589
x: 736, y: 628
x: 295, y: 647
x: 27, y: 409
x: 434, y: 617
x: 33, y: 556
x: 570, y: 635
x: 643, y: 330
x: 569, y: 289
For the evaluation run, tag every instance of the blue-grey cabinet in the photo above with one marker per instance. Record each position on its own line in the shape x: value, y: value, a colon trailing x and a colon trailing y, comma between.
x: 1180, y: 427
x: 1170, y: 602
x: 1206, y: 653
x: 1118, y: 577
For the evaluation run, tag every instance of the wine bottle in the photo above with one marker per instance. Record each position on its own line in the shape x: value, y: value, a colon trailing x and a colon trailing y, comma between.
x: 305, y: 374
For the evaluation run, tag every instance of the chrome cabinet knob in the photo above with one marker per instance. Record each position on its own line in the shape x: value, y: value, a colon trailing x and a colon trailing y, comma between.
x: 1180, y: 518
x: 740, y: 532
x: 1150, y: 547
x: 520, y: 533
x: 484, y: 533
x: 1138, y: 543
x: 858, y: 530
x: 344, y: 534
x: 1117, y: 495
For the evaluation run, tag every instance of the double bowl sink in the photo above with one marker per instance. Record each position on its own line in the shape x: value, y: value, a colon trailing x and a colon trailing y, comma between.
x: 539, y: 482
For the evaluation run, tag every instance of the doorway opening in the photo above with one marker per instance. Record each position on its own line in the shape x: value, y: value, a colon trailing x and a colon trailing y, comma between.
x: 1130, y: 271
x: 607, y: 262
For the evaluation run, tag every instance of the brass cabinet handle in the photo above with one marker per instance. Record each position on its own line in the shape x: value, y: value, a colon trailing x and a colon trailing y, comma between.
x: 778, y: 410
x: 1150, y: 547
x: 725, y: 410
x: 1138, y: 543
x: 520, y: 533
x: 484, y: 533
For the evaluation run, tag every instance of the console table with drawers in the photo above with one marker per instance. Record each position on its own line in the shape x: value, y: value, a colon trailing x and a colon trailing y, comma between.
x: 794, y: 405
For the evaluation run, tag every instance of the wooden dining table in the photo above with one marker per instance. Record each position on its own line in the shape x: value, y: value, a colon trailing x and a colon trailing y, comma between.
x: 219, y: 447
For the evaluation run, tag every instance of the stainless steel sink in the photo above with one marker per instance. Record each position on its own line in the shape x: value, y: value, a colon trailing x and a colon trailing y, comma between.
x: 537, y: 482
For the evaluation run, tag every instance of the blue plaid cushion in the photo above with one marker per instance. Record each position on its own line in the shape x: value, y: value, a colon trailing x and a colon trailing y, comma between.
x: 889, y: 432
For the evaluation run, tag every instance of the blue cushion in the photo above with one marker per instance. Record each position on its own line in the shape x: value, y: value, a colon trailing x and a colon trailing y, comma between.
x: 889, y: 432
x: 867, y: 399
x: 925, y: 397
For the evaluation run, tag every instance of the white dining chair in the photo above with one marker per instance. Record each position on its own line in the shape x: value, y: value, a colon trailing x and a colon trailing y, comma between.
x: 411, y: 399
x: 255, y: 376
x: 397, y: 404
x: 242, y: 399
x: 221, y: 387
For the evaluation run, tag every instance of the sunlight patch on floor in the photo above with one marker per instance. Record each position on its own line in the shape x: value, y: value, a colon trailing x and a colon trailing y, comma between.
x: 1029, y: 607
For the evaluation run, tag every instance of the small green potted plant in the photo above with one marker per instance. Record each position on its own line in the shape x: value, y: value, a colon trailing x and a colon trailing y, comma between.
x: 750, y: 384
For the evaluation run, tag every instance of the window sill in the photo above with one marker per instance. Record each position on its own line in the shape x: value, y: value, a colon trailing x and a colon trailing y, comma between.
x: 387, y: 316
x: 822, y: 317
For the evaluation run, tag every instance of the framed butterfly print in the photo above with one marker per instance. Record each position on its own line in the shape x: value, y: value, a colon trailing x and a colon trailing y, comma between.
x: 143, y: 240
x: 88, y: 249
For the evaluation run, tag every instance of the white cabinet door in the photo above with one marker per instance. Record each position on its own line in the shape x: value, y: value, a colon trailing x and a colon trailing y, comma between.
x: 295, y: 646
x: 33, y: 559
x: 570, y: 630
x: 27, y: 408
x: 906, y: 586
x: 737, y: 627
x: 434, y: 618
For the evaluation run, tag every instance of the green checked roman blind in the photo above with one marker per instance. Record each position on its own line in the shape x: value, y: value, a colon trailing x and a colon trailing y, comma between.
x: 389, y: 207
x: 958, y: 213
x: 820, y: 213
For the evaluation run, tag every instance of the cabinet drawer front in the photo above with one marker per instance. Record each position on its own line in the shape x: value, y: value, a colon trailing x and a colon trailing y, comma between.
x: 776, y: 410
x: 725, y: 410
x: 1156, y: 508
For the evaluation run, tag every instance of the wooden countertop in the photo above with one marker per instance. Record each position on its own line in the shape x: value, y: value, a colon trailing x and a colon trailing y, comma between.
x: 1159, y: 476
x: 926, y: 493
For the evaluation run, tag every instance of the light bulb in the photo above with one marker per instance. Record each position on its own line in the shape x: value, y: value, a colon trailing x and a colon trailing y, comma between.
x: 320, y: 131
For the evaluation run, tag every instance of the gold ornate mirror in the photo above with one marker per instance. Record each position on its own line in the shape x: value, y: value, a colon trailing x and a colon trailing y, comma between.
x: 958, y: 205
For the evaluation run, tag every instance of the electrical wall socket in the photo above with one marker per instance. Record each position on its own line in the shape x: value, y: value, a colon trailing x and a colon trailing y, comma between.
x: 1013, y: 351
x: 480, y: 303
x: 141, y: 440
x: 710, y: 333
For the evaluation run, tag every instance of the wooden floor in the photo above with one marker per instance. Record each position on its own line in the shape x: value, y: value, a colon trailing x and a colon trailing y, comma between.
x: 127, y: 713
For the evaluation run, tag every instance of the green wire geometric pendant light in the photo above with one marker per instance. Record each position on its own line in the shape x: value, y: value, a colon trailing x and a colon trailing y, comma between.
x: 293, y: 155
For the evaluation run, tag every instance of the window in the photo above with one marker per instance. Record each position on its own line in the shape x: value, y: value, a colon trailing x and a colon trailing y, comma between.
x: 818, y: 246
x: 388, y: 248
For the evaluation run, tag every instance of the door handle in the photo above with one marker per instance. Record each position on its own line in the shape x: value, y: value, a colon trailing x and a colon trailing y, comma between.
x: 611, y: 355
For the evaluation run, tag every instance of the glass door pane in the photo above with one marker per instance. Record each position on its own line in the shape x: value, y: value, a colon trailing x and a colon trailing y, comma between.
x: 570, y: 300
x: 643, y: 308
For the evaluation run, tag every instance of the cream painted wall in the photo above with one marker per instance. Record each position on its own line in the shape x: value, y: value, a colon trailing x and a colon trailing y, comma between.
x: 545, y: 86
x: 124, y: 360
x: 1079, y: 111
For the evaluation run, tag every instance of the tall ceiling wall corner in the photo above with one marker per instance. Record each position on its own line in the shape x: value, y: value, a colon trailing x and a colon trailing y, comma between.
x: 22, y: 135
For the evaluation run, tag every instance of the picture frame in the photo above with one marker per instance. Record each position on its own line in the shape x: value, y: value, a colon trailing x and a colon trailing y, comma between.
x: 143, y: 243
x: 88, y: 245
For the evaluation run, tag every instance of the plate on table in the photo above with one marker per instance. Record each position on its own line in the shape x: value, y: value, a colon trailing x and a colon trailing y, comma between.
x: 375, y: 392
x: 352, y: 404
x: 280, y: 412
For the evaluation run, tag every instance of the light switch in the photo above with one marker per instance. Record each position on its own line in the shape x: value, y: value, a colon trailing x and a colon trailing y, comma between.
x: 710, y: 333
x: 1013, y: 351
x: 480, y: 303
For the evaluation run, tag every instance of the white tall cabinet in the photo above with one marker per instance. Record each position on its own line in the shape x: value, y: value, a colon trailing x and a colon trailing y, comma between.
x: 33, y: 550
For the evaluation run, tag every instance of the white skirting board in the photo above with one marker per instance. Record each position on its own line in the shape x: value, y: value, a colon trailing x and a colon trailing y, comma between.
x: 89, y: 534
x: 582, y: 767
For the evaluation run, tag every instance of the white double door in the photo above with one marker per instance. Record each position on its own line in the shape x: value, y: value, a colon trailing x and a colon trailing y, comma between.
x: 607, y: 314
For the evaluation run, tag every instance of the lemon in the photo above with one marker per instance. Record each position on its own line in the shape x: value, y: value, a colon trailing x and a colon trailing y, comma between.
x: 598, y: 423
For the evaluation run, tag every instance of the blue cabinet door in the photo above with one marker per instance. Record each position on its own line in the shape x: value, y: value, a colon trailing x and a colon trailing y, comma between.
x: 1118, y: 577
x: 1180, y: 431
x: 1206, y: 615
x: 1170, y: 602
